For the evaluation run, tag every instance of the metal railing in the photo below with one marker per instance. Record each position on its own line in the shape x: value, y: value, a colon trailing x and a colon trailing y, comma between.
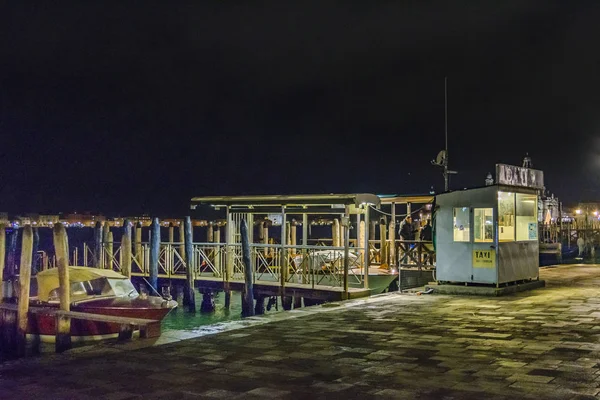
x: 298, y: 264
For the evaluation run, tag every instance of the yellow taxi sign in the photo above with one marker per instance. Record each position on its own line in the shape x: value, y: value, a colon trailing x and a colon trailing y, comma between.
x: 484, y: 258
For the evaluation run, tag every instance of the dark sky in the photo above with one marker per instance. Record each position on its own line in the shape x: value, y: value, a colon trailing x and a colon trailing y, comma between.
x: 131, y: 107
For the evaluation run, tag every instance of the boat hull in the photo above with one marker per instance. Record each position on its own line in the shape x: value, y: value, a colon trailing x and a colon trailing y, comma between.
x: 42, y: 325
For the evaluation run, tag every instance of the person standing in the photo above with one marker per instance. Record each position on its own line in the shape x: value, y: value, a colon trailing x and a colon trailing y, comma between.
x: 581, y: 245
x: 406, y: 233
x: 426, y: 232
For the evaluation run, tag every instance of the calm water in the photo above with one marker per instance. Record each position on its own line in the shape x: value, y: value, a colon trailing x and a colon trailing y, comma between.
x: 182, y: 320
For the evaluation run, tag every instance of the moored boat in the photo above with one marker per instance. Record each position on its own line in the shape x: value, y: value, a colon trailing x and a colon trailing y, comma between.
x: 94, y: 291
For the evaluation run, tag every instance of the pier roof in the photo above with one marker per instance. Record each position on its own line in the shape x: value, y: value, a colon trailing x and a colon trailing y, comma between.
x: 355, y: 199
x: 406, y: 198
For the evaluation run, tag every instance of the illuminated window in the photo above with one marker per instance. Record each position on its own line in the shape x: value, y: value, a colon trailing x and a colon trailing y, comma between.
x: 461, y: 224
x: 506, y: 216
x: 483, y: 224
x: 527, y: 223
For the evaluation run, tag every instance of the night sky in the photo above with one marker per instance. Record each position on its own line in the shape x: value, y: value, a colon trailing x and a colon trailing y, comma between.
x: 135, y: 107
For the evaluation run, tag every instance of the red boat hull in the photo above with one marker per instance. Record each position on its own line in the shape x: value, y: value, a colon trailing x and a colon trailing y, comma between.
x: 43, y: 325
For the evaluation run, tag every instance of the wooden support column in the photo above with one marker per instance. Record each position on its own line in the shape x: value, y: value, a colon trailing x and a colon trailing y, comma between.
x: 346, y: 234
x: 182, y: 238
x: 63, y: 323
x: 283, y: 261
x: 139, y: 254
x: 126, y: 249
x: 393, y: 236
x: 382, y: 241
x: 335, y: 233
x: 24, y: 283
x: 248, y: 294
x: 210, y: 233
x: 154, y: 253
x: 306, y: 274
x: 171, y: 233
x: 189, y: 297
x: 2, y: 257
x: 367, y: 252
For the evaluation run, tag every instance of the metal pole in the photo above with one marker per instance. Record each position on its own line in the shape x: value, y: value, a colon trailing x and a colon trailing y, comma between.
x: 446, y: 133
x: 283, y: 257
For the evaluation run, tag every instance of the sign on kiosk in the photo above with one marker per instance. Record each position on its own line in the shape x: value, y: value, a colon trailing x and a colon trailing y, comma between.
x: 484, y: 258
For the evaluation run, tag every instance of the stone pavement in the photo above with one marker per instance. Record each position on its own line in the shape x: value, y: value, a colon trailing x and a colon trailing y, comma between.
x: 544, y: 344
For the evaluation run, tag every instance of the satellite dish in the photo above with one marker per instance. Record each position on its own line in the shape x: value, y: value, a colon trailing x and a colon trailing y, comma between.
x: 440, y: 159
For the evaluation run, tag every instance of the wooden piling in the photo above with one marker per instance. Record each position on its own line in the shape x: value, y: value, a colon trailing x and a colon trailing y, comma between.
x: 265, y: 237
x: 24, y: 284
x: 259, y: 308
x: 392, y: 246
x: 248, y: 295
x: 2, y: 256
x: 372, y: 226
x: 34, y: 250
x: 335, y: 233
x: 208, y: 301
x: 182, y: 238
x: 210, y: 233
x: 12, y: 253
x: 139, y: 254
x: 171, y: 233
x: 106, y: 261
x: 63, y: 323
x: 154, y: 253
x: 382, y: 241
x: 110, y: 251
x: 189, y: 298
x: 98, y: 245
x: 126, y: 249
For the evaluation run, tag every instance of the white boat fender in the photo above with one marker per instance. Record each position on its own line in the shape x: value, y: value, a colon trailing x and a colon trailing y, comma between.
x: 428, y: 291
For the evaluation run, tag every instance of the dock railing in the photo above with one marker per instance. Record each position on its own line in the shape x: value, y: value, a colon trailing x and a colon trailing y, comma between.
x: 309, y: 265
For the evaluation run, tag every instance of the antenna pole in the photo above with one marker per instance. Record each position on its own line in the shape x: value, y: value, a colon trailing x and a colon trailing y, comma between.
x: 446, y: 132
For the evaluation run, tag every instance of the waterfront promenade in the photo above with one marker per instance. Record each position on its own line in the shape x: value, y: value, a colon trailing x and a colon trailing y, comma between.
x: 543, y: 344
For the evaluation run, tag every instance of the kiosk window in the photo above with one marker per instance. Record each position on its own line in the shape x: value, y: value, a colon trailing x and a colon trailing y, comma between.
x: 506, y: 216
x: 483, y: 225
x: 527, y: 227
x: 461, y: 224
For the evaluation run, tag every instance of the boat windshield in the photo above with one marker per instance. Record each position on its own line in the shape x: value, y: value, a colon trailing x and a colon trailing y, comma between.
x: 98, y: 287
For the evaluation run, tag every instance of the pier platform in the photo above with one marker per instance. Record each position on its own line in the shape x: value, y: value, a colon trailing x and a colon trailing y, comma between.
x: 530, y: 345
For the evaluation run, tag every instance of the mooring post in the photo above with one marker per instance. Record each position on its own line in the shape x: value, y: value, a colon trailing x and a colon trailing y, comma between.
x: 154, y: 253
x: 248, y: 295
x: 106, y: 261
x: 182, y: 238
x: 34, y: 250
x: 63, y: 323
x: 110, y: 251
x: 12, y: 253
x: 259, y: 308
x: 382, y: 241
x: 24, y: 283
x: 189, y: 298
x: 98, y: 244
x: 139, y: 254
x: 126, y: 249
x: 2, y: 256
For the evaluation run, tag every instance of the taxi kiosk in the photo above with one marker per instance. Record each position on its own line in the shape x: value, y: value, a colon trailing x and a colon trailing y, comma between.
x: 489, y: 235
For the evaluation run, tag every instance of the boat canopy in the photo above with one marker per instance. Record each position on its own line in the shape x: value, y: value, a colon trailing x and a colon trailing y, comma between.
x: 48, y: 280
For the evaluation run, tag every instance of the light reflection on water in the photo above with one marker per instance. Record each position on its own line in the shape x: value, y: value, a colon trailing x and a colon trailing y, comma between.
x: 181, y: 320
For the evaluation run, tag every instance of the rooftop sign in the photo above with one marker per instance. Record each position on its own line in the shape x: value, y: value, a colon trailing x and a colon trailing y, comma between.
x: 519, y: 176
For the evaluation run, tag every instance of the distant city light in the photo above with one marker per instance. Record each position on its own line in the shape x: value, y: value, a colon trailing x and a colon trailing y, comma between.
x: 578, y: 211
